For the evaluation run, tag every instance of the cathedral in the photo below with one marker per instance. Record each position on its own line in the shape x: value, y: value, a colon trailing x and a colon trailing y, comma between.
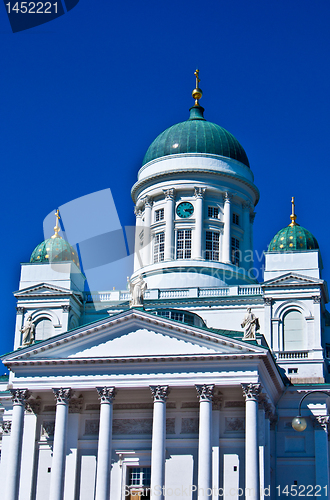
x: 197, y: 381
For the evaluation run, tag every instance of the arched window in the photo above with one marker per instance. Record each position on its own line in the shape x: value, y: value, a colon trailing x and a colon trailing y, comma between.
x: 44, y: 329
x: 293, y: 330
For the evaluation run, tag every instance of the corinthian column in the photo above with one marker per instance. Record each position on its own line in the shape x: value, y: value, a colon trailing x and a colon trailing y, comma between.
x: 147, y: 235
x: 59, y: 448
x: 198, y: 233
x: 139, y: 240
x: 13, y: 469
x: 226, y: 249
x: 251, y: 394
x: 169, y: 221
x: 106, y: 396
x: 159, y: 393
x: 205, y: 393
x: 321, y: 423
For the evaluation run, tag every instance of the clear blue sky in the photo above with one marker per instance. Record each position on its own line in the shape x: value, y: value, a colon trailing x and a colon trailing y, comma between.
x: 83, y: 97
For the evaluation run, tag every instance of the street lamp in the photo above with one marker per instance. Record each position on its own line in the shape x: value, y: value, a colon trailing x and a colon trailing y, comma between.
x: 299, y: 423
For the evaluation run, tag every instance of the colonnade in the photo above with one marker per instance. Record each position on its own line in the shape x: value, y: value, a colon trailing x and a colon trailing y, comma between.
x: 143, y: 247
x: 106, y: 396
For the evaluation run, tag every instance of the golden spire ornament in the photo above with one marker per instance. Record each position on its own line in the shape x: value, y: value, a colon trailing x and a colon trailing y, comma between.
x: 197, y: 93
x: 57, y: 227
x: 293, y: 215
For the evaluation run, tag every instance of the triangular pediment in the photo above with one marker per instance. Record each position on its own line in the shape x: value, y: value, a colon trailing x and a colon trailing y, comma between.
x: 292, y: 279
x: 43, y: 289
x: 134, y: 334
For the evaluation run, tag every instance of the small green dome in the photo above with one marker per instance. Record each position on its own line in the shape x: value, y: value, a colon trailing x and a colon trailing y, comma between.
x: 55, y: 249
x: 293, y: 237
x: 196, y: 135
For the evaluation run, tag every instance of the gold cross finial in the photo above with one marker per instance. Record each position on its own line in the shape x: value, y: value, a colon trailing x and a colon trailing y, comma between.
x: 197, y: 78
x: 197, y: 93
x: 57, y: 227
x: 293, y: 215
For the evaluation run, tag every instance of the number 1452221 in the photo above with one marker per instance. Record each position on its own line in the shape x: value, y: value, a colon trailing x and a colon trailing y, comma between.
x: 32, y: 7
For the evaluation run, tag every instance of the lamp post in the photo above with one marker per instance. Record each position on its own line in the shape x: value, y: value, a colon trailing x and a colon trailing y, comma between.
x: 299, y: 423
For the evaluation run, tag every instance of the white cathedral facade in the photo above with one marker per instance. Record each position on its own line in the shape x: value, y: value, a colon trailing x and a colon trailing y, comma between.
x: 160, y: 392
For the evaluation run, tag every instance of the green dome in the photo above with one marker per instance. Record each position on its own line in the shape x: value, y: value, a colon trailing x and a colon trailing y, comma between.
x: 196, y: 135
x: 54, y: 250
x: 293, y: 238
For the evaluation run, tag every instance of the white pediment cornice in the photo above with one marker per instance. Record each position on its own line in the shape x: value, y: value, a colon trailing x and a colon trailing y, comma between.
x: 114, y: 336
x: 45, y: 290
x: 292, y: 279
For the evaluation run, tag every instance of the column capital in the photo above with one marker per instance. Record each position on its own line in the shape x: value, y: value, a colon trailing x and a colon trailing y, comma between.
x: 32, y: 405
x: 66, y: 308
x: 148, y: 201
x: 19, y: 396
x: 76, y: 404
x: 217, y: 402
x: 252, y: 216
x: 137, y: 211
x: 169, y: 194
x: 62, y: 395
x: 205, y: 392
x: 6, y: 427
x: 320, y: 422
x: 317, y: 299
x: 247, y: 205
x: 199, y: 192
x: 251, y: 391
x: 106, y: 394
x: 159, y: 392
x: 227, y: 197
x: 20, y: 310
x: 268, y: 301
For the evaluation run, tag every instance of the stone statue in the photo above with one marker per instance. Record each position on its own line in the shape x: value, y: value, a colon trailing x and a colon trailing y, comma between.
x: 28, y: 332
x: 250, y: 325
x: 137, y: 290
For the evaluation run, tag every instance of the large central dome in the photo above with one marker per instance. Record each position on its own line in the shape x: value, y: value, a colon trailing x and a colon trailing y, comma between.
x: 196, y: 135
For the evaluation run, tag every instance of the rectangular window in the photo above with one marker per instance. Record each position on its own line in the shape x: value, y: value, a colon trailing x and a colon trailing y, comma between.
x: 212, y: 246
x: 159, y: 214
x: 213, y: 212
x: 235, y: 251
x: 138, y: 484
x: 183, y: 244
x: 292, y: 370
x: 236, y: 219
x: 159, y: 246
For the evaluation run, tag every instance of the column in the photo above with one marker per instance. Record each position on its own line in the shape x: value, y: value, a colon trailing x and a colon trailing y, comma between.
x: 13, y: 469
x: 138, y: 246
x: 19, y: 325
x: 215, y: 446
x: 32, y: 408
x: 66, y: 308
x: 226, y: 250
x: 169, y: 221
x: 268, y: 301
x: 159, y: 393
x: 252, y: 217
x: 205, y: 393
x: 102, y: 490
x: 251, y: 394
x: 147, y: 256
x: 197, y: 242
x: 321, y: 451
x: 59, y: 447
x: 317, y: 323
x: 247, y: 251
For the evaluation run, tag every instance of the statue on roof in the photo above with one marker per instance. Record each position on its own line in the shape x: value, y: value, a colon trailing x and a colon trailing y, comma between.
x: 250, y: 325
x: 28, y: 332
x: 137, y: 290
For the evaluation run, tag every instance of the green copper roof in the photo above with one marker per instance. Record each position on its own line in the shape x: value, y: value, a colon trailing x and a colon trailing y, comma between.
x: 54, y: 250
x: 196, y: 135
x: 293, y: 238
